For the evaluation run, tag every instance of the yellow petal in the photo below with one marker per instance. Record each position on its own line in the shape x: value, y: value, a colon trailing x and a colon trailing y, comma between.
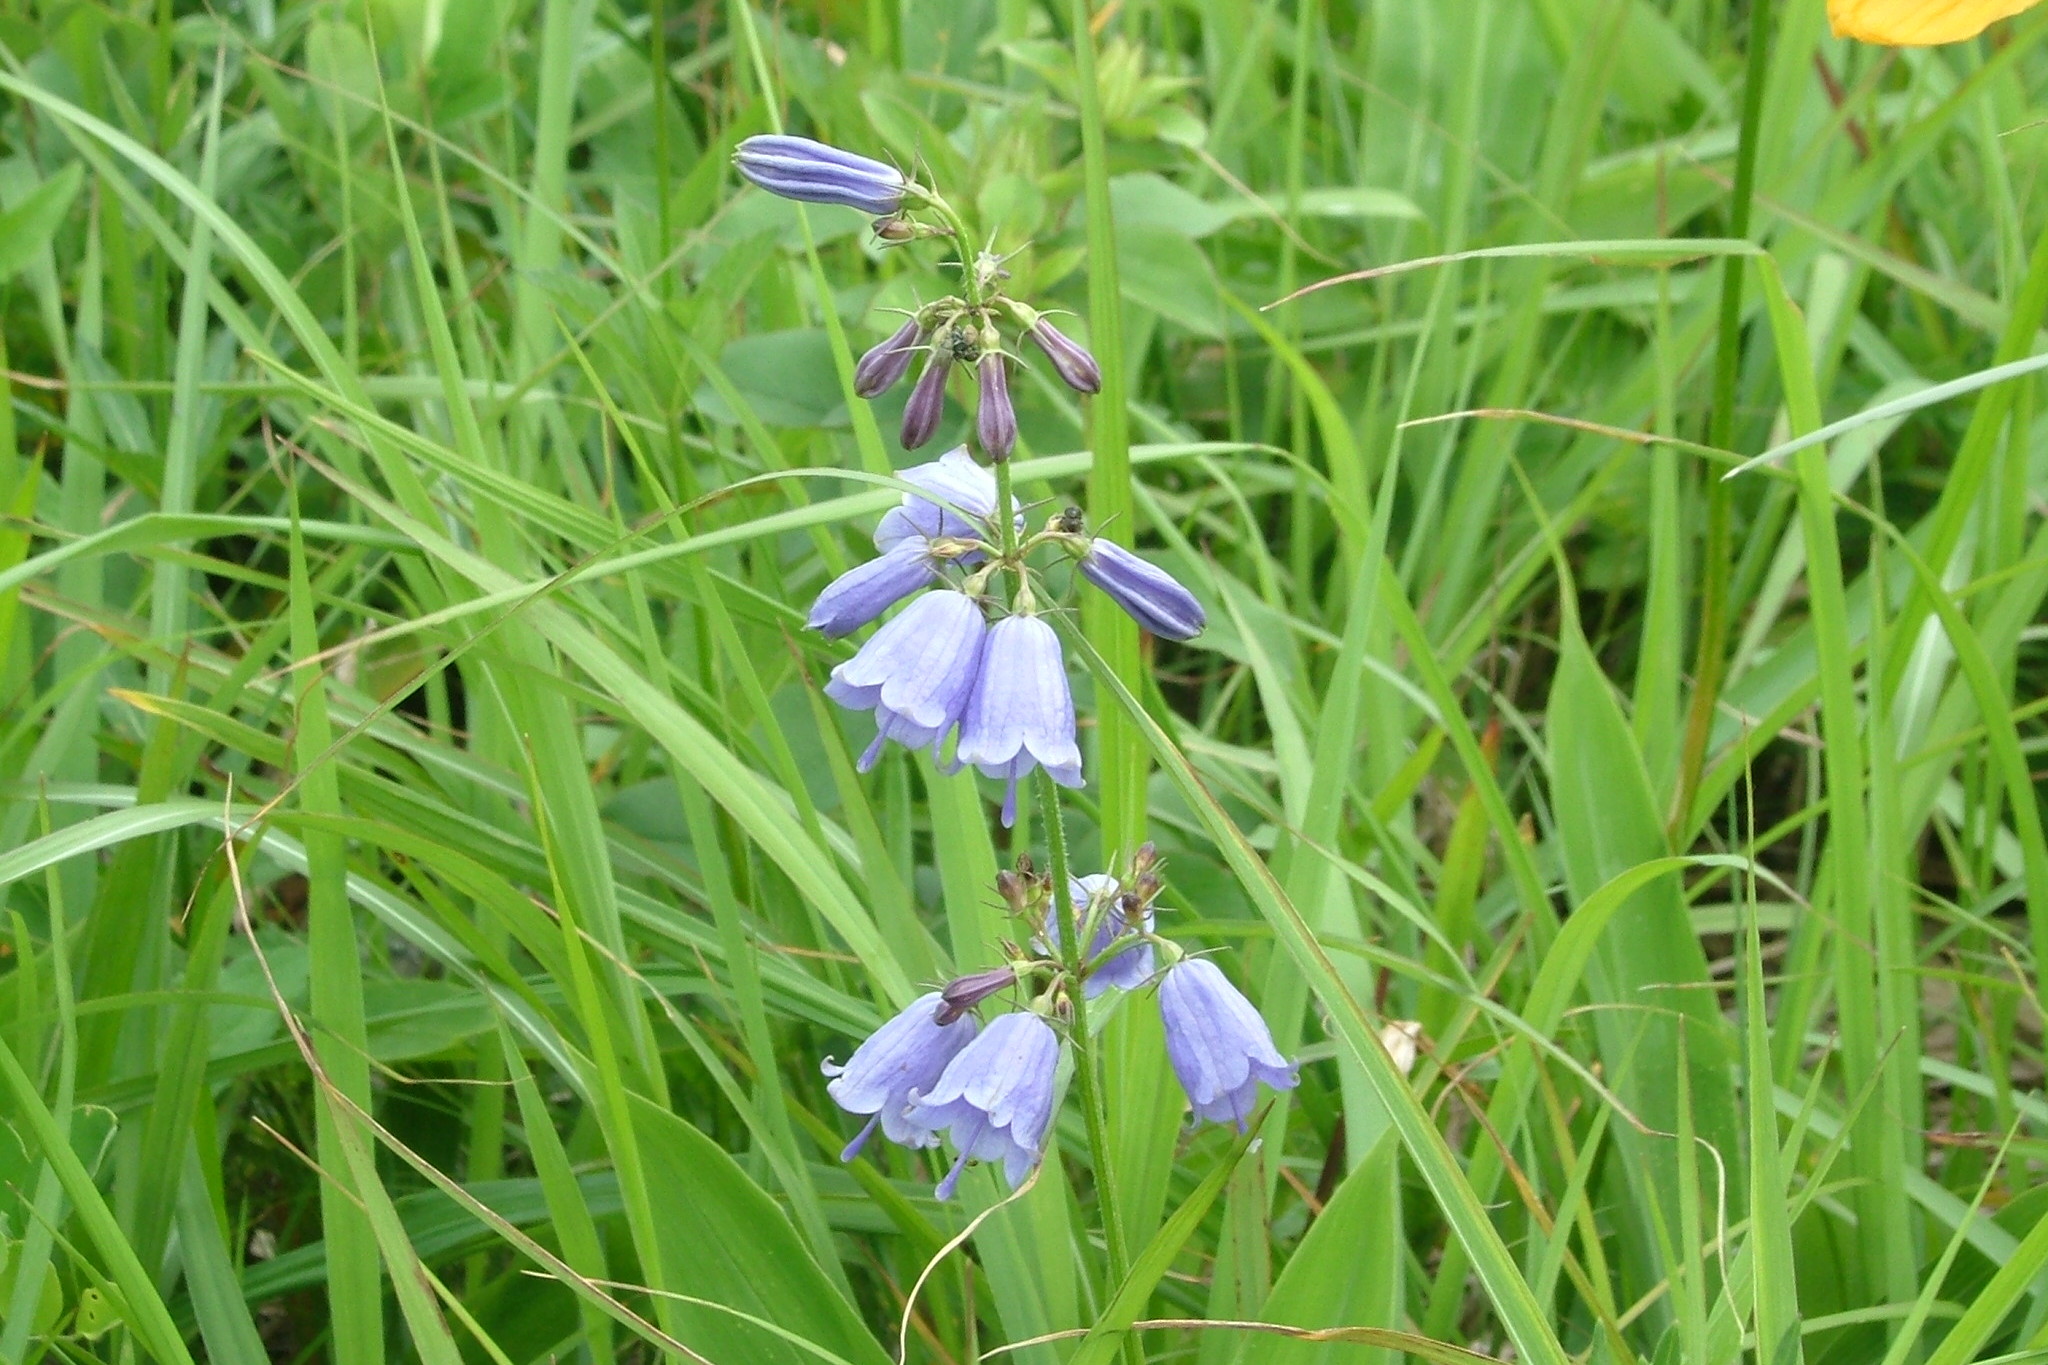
x: 1918, y: 23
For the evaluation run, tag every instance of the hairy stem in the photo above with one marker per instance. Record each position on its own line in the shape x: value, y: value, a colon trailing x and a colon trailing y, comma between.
x: 1087, y: 1067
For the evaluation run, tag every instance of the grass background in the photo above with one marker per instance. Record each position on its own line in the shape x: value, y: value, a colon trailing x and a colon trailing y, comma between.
x: 418, y: 455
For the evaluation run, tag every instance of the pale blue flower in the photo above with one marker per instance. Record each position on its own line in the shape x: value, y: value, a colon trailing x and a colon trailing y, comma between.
x: 1132, y: 965
x: 1154, y: 598
x: 915, y: 673
x: 959, y: 482
x: 1020, y: 714
x: 1219, y: 1046
x: 799, y: 168
x: 909, y: 1053
x: 995, y: 1100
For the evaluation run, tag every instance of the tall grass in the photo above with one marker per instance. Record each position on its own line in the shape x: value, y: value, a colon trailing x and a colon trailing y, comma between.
x: 430, y: 876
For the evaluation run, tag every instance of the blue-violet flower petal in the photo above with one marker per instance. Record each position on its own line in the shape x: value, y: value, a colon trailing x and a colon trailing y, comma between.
x: 1154, y: 598
x: 916, y: 672
x: 1132, y: 965
x: 799, y: 168
x: 960, y: 482
x: 1021, y: 712
x: 865, y: 591
x: 909, y: 1053
x: 1219, y: 1046
x: 995, y: 1099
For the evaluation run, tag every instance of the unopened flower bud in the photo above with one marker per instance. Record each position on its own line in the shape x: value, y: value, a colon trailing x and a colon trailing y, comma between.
x: 893, y: 230
x: 995, y: 420
x: 927, y: 402
x: 1015, y: 888
x: 1070, y: 360
x: 963, y: 993
x: 887, y: 361
x: 803, y: 169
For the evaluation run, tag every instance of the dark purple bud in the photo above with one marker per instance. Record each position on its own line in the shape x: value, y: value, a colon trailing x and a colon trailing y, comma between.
x: 963, y: 993
x: 1154, y: 598
x: 887, y: 361
x: 995, y: 420
x: 927, y: 402
x: 1070, y: 360
x: 798, y: 168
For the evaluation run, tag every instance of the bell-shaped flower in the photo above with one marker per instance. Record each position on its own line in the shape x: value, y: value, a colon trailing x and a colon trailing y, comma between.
x: 799, y: 168
x: 915, y: 673
x: 1020, y: 714
x: 994, y: 1101
x: 888, y: 361
x: 909, y: 1053
x: 1154, y: 598
x: 927, y: 401
x: 962, y: 485
x: 1219, y: 1046
x: 995, y: 418
x: 865, y: 591
x: 1131, y: 966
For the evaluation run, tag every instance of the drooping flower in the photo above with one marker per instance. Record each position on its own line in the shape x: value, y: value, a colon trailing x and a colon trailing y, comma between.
x: 995, y: 1099
x: 915, y: 673
x: 995, y: 419
x: 799, y: 168
x: 1918, y: 23
x: 1020, y: 714
x: 888, y: 361
x: 927, y: 401
x: 865, y: 591
x: 1070, y: 360
x: 1132, y: 965
x: 961, y: 483
x: 1154, y: 598
x: 1219, y: 1046
x: 907, y: 1054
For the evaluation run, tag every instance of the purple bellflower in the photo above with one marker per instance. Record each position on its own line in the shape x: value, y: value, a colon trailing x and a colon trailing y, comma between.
x: 1132, y: 966
x: 1070, y: 360
x: 1219, y: 1046
x: 888, y: 361
x: 927, y: 401
x: 1020, y: 714
x: 799, y: 168
x: 909, y: 1053
x: 865, y: 591
x: 995, y: 419
x: 961, y: 483
x: 995, y: 1098
x: 1154, y: 598
x: 916, y: 672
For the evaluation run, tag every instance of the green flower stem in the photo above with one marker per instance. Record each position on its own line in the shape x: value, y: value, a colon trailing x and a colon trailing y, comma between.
x: 1087, y: 1072
x: 970, y: 287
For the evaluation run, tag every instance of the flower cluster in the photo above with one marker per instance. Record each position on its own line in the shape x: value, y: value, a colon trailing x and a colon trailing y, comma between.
x: 940, y: 665
x: 952, y: 331
x: 972, y: 659
x: 992, y: 1092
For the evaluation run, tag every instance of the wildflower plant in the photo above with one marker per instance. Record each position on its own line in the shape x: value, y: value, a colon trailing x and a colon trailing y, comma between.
x: 971, y: 666
x: 991, y: 1092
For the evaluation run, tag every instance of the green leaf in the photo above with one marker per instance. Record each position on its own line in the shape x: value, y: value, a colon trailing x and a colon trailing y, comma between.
x: 27, y: 228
